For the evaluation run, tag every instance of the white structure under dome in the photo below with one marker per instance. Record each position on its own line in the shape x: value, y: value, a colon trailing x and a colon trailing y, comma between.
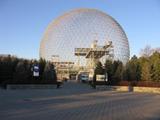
x: 78, y: 29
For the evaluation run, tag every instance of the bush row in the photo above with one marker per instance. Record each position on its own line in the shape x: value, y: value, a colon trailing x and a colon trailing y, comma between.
x: 15, y: 70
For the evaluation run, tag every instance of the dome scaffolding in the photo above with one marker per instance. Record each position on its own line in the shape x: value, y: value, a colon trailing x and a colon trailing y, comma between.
x: 71, y: 36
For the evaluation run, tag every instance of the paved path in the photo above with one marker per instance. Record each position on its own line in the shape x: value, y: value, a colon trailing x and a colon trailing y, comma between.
x: 76, y: 101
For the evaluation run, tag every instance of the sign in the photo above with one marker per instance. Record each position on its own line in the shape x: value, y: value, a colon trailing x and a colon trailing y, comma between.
x: 100, y: 77
x: 36, y: 71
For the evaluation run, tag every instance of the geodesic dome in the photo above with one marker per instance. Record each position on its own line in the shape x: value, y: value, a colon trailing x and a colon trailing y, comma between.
x: 78, y: 29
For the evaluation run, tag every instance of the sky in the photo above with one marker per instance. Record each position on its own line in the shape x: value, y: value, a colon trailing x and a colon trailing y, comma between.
x: 23, y: 22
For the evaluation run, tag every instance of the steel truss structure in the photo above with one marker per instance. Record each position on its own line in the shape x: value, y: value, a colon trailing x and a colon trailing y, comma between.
x: 71, y: 35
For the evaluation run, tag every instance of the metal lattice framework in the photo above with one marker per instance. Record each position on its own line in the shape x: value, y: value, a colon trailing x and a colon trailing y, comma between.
x: 95, y: 53
x: 77, y: 29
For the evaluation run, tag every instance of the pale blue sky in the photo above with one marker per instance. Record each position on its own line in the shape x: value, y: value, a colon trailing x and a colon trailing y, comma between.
x: 23, y: 22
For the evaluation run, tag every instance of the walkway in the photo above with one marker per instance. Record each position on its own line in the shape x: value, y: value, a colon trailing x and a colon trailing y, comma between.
x: 75, y: 101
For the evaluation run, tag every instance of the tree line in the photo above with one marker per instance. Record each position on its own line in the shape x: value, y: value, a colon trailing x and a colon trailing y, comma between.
x: 14, y: 70
x: 143, y: 68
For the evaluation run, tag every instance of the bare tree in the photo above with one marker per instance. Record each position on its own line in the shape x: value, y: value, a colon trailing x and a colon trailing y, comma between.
x: 147, y: 51
x: 157, y: 50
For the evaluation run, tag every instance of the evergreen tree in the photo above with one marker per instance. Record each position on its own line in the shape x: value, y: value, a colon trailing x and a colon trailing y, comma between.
x: 7, y: 68
x: 28, y: 67
x: 155, y: 66
x: 114, y: 71
x: 42, y: 64
x: 115, y: 66
x: 118, y: 76
x: 99, y: 70
x: 156, y: 72
x: 118, y: 72
x: 133, y: 69
x: 49, y: 73
x: 20, y: 75
x: 109, y: 69
x: 146, y: 75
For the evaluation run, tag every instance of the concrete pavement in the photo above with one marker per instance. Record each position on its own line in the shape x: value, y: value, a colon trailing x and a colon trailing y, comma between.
x: 76, y: 101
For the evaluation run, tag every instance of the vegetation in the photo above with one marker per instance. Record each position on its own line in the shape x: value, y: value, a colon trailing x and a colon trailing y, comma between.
x: 114, y: 71
x: 136, y: 71
x: 15, y: 70
x: 99, y: 70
